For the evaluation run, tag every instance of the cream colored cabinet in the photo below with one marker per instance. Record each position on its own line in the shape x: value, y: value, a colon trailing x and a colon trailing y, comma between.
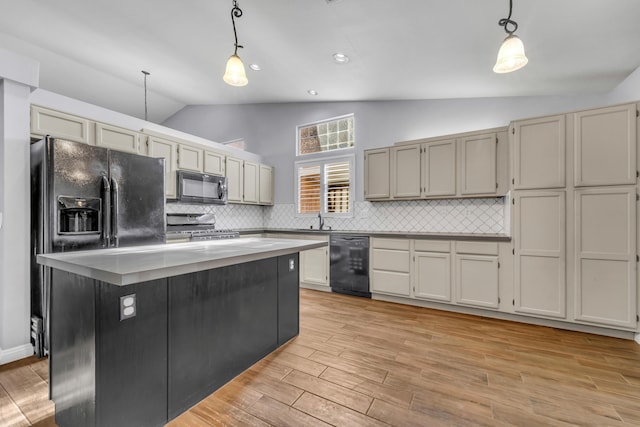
x: 476, y: 274
x: 251, y: 182
x: 59, y: 125
x: 405, y: 171
x: 376, y: 174
x: 116, y: 138
x: 265, y: 196
x: 235, y: 178
x: 478, y: 164
x: 605, y: 143
x: 540, y: 254
x: 158, y: 147
x: 438, y: 172
x: 432, y: 270
x: 213, y: 163
x: 605, y: 256
x: 314, y: 267
x: 190, y: 158
x: 390, y: 266
x: 539, y: 153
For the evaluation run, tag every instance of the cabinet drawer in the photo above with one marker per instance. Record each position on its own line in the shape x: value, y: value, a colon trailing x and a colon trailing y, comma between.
x: 432, y: 245
x: 390, y: 282
x: 398, y: 244
x: 391, y: 260
x: 481, y: 248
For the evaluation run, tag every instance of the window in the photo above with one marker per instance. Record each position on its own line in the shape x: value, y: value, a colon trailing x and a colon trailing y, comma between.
x: 327, y: 135
x: 325, y: 186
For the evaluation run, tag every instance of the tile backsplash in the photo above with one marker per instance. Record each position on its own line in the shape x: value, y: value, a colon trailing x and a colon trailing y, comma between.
x: 435, y: 216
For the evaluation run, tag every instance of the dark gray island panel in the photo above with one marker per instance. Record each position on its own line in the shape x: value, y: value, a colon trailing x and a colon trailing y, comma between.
x: 191, y: 334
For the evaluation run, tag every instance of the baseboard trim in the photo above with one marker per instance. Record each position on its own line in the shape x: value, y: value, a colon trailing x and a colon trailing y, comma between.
x: 323, y: 288
x: 15, y: 353
x: 629, y: 335
x: 638, y: 338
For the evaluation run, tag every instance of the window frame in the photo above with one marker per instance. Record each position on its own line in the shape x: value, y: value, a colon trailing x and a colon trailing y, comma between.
x: 323, y: 161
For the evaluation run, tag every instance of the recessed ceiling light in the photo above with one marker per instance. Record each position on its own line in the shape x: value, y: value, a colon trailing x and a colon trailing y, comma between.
x: 340, y: 58
x: 312, y: 92
x: 255, y: 67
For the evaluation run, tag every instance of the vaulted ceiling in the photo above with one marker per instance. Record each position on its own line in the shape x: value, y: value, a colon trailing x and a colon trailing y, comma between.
x: 398, y: 49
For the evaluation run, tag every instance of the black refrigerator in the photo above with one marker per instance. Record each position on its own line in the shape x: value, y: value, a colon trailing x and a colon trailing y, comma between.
x: 86, y: 197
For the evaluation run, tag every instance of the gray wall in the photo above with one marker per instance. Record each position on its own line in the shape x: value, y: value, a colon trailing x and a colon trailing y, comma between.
x: 269, y: 129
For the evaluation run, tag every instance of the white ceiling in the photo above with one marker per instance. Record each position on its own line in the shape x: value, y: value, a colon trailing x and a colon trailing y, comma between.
x: 95, y: 50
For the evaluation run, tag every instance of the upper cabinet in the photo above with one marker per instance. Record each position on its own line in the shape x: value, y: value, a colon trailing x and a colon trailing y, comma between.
x: 214, y: 163
x: 59, y: 125
x: 265, y: 196
x: 405, y: 171
x: 158, y: 147
x: 473, y: 164
x: 190, y: 158
x: 478, y: 164
x: 235, y: 177
x: 117, y: 138
x: 539, y: 153
x: 251, y: 182
x: 438, y: 174
x: 376, y: 174
x: 605, y: 146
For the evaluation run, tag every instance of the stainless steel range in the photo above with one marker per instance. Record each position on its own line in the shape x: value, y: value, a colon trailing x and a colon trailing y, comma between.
x: 182, y: 227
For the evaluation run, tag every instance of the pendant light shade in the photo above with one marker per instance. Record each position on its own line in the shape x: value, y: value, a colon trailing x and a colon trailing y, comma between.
x: 511, y: 55
x: 235, y: 74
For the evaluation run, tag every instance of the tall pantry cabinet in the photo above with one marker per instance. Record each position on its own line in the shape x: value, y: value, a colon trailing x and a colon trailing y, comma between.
x: 575, y: 216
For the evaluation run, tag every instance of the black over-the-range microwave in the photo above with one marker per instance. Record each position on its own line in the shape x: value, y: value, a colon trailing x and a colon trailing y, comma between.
x: 196, y: 187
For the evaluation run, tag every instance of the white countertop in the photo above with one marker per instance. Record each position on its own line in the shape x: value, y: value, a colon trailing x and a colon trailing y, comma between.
x: 124, y: 266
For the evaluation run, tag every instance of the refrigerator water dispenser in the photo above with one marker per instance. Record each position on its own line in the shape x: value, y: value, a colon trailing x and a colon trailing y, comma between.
x: 79, y: 215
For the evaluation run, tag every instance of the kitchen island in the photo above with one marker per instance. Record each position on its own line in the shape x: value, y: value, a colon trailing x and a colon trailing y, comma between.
x: 141, y: 334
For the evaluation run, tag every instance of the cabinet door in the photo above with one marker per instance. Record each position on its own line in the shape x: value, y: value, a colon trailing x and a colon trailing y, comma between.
x: 376, y: 174
x: 251, y: 182
x: 605, y: 256
x: 59, y: 125
x: 405, y: 167
x: 213, y: 163
x: 313, y: 266
x: 439, y: 168
x: 478, y: 173
x: 539, y: 153
x: 432, y: 276
x: 169, y: 151
x: 477, y: 280
x: 540, y: 255
x: 605, y: 146
x: 190, y: 158
x: 117, y: 138
x: 265, y: 196
x: 234, y: 179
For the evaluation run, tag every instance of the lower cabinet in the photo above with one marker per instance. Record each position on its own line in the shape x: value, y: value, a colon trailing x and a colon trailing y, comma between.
x: 391, y: 266
x: 314, y: 267
x: 477, y: 280
x: 432, y: 270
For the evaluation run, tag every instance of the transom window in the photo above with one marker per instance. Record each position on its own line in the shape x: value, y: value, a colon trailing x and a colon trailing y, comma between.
x: 327, y: 135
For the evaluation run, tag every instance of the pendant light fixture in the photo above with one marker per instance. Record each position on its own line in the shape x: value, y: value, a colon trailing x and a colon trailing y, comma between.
x: 511, y: 55
x: 235, y: 74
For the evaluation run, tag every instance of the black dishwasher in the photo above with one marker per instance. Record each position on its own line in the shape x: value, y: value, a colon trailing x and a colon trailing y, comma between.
x: 349, y: 262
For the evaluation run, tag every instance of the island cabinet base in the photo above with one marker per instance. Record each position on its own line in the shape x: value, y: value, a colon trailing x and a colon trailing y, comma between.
x: 191, y: 334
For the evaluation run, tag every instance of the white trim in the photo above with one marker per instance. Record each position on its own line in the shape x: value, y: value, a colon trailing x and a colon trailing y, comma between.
x: 638, y: 338
x: 15, y: 353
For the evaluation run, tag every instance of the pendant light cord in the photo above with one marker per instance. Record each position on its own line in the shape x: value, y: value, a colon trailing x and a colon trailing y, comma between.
x: 236, y: 12
x: 146, y: 73
x: 508, y: 21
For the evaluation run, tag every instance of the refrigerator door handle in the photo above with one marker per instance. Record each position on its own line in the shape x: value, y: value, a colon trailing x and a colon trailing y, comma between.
x: 106, y: 217
x: 114, y: 214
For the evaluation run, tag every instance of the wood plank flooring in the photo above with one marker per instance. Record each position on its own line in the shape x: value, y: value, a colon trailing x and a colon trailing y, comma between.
x: 359, y: 362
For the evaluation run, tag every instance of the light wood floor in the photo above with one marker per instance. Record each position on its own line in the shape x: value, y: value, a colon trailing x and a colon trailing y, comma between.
x: 362, y: 362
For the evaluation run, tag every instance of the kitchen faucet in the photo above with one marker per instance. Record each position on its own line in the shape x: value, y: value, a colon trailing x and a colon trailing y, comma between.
x: 320, y: 221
